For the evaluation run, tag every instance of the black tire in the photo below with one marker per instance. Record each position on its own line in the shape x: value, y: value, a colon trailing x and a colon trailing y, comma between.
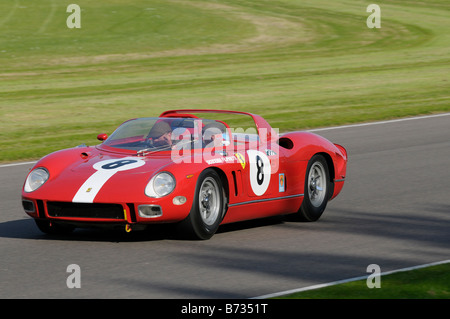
x: 51, y: 228
x: 207, y: 209
x: 317, y: 189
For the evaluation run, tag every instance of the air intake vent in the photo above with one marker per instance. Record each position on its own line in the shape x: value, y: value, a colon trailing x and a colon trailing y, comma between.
x: 85, y: 210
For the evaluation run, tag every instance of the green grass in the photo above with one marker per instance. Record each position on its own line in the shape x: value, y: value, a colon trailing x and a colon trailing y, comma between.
x: 298, y: 63
x: 426, y: 283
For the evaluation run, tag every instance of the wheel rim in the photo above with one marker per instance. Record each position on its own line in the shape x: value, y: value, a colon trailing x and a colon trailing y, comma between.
x: 209, y: 201
x: 317, y: 184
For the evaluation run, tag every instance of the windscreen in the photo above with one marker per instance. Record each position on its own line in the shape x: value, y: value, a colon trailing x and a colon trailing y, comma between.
x: 163, y: 134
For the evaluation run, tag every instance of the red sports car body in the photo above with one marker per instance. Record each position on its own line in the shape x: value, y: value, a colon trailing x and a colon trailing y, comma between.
x: 180, y: 168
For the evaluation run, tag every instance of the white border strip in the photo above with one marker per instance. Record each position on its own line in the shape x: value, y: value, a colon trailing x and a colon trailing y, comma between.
x: 316, y: 130
x: 17, y: 164
x: 380, y: 122
x: 333, y: 283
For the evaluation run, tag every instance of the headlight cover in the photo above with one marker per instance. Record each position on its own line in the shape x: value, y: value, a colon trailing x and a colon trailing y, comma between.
x: 36, y: 179
x: 160, y: 185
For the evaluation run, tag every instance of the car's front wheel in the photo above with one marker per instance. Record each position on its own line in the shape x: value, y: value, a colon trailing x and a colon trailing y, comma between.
x: 208, y: 207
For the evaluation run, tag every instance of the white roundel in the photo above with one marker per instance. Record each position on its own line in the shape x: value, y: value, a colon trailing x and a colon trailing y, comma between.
x: 117, y: 165
x: 104, y: 171
x: 259, y: 171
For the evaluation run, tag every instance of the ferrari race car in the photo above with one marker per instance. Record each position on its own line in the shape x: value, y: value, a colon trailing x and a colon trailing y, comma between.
x: 186, y: 168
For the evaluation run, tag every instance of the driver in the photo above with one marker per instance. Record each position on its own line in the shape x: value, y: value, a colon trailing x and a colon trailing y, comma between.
x: 213, y: 134
x: 161, y: 134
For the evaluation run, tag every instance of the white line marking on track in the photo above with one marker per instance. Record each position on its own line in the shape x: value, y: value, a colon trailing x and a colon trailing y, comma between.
x: 17, y: 164
x: 317, y: 129
x: 380, y: 122
x: 288, y: 292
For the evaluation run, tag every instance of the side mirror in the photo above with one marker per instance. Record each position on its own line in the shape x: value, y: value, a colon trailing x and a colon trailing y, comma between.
x: 102, y: 137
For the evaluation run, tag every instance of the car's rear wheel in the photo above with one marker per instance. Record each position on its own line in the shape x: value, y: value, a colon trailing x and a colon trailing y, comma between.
x: 207, y: 209
x: 317, y: 189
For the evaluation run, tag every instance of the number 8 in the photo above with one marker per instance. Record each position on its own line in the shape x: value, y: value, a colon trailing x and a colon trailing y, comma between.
x: 118, y: 164
x: 260, y: 171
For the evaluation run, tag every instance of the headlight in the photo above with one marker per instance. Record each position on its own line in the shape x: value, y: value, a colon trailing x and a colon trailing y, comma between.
x: 36, y: 179
x: 160, y: 185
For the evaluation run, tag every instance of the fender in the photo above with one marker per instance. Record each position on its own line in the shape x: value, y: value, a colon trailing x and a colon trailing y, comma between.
x: 301, y: 146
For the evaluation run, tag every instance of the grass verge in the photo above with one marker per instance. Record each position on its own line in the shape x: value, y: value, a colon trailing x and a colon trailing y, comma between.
x: 427, y: 283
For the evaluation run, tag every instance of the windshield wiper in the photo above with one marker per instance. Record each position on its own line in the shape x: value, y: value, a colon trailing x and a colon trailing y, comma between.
x: 149, y: 150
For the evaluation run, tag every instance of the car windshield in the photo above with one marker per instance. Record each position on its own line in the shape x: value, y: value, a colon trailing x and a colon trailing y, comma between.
x: 145, y: 135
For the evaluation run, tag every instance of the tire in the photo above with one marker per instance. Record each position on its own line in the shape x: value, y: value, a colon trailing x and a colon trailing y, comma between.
x: 50, y: 228
x: 317, y: 189
x: 207, y: 209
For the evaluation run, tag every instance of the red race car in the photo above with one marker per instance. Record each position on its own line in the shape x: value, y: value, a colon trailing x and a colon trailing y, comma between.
x: 187, y: 168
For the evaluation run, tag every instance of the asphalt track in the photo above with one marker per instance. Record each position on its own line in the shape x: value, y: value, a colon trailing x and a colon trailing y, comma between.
x: 394, y: 212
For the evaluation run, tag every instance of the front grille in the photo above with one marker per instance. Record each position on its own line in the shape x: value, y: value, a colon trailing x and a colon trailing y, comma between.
x: 85, y: 210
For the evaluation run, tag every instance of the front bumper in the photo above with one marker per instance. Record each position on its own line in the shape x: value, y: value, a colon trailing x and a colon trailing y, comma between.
x: 162, y: 211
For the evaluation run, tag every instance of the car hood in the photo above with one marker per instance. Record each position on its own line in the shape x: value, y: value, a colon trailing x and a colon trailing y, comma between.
x: 91, y: 175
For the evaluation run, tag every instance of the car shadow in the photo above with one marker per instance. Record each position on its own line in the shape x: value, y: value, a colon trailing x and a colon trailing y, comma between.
x: 26, y: 229
x: 254, y: 223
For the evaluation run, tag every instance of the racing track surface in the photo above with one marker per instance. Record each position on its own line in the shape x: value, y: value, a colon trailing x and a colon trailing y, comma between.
x: 393, y: 211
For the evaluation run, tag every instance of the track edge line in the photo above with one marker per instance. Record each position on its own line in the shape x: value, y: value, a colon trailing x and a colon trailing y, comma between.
x: 333, y: 283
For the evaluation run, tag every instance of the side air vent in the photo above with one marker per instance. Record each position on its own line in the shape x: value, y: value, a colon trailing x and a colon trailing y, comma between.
x: 286, y: 143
